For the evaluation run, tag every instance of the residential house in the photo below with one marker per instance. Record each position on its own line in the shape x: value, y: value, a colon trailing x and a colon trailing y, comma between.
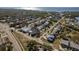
x: 34, y: 32
x: 69, y: 45
x: 43, y: 25
x: 51, y: 38
x: 25, y: 29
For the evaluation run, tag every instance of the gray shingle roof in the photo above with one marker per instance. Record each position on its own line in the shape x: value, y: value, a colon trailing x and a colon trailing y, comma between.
x: 72, y: 44
x: 34, y: 31
x: 65, y: 42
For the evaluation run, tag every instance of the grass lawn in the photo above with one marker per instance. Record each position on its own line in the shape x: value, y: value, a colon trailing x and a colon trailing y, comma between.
x: 56, y: 43
x: 74, y: 36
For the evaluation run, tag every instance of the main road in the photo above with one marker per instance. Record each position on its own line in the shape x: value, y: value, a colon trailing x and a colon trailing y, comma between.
x: 6, y: 29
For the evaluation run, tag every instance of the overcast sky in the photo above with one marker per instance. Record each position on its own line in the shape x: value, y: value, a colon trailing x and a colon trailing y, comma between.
x: 38, y: 3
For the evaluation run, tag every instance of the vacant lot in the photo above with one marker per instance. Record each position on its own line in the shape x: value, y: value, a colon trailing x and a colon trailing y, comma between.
x: 25, y: 41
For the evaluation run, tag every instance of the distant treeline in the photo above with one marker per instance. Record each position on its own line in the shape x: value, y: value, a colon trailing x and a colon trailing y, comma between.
x: 18, y: 12
x: 71, y: 14
x: 23, y: 13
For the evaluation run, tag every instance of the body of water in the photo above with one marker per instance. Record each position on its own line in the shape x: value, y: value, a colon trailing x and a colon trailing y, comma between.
x: 59, y: 9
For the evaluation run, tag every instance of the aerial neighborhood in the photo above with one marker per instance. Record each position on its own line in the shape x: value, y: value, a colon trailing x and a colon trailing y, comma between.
x: 28, y: 30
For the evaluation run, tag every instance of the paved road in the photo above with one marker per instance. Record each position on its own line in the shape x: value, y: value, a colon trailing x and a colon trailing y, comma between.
x: 36, y: 39
x: 29, y: 37
x: 11, y: 37
x: 45, y: 34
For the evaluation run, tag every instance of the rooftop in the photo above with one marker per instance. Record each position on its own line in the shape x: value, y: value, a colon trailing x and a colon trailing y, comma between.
x: 72, y: 44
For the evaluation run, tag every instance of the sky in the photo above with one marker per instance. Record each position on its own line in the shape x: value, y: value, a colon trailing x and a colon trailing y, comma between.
x: 58, y: 9
x: 39, y: 3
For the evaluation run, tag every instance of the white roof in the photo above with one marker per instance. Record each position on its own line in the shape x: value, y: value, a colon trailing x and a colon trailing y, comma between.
x: 25, y: 28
